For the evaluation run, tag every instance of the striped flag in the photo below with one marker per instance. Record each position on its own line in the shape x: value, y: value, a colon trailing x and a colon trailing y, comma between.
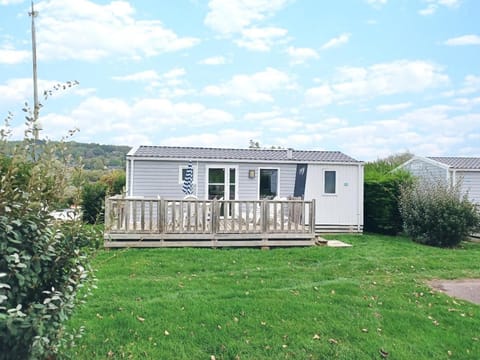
x: 187, y: 187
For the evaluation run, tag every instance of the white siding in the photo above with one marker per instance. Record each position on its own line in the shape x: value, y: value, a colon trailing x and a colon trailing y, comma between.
x: 346, y: 206
x: 470, y: 182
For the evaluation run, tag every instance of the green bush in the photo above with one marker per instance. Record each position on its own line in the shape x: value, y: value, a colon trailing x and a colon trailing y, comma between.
x: 115, y: 181
x: 93, y: 198
x: 381, y: 208
x: 43, y: 264
x: 437, y: 214
x: 381, y: 194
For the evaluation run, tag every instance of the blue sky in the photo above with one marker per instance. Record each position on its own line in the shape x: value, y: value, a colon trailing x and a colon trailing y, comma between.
x: 366, y: 77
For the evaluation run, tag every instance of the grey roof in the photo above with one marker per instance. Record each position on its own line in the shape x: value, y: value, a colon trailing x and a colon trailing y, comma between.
x: 190, y: 153
x: 459, y: 162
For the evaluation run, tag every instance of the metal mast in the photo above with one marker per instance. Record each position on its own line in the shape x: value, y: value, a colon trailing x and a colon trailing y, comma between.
x: 36, y: 105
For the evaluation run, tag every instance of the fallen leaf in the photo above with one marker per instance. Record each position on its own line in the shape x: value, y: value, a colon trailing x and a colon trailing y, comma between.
x: 332, y: 341
x: 139, y: 318
x: 110, y: 353
x: 316, y: 337
x: 235, y: 319
x: 383, y: 353
x: 212, y: 357
x: 364, y: 330
x: 166, y: 333
x: 449, y: 353
x: 284, y: 346
x: 99, y: 316
x: 263, y: 323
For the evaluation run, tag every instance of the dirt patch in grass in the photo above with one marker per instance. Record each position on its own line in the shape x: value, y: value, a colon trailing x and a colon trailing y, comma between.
x: 465, y: 289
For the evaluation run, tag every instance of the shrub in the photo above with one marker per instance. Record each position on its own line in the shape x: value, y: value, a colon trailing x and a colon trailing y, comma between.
x: 381, y: 205
x: 381, y: 194
x: 93, y: 197
x: 115, y: 181
x: 437, y: 214
x: 43, y: 265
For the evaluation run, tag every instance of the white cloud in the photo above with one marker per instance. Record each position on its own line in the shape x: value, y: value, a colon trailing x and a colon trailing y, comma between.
x: 16, y: 91
x: 281, y: 124
x: 106, y: 30
x: 261, y: 115
x: 376, y: 3
x: 232, y: 16
x: 170, y: 84
x: 11, y: 56
x: 471, y: 84
x: 145, y: 116
x: 434, y: 5
x: 10, y: 2
x: 463, y: 40
x: 337, y: 41
x: 223, y: 138
x: 146, y: 120
x: 301, y: 55
x: 397, y: 77
x: 261, y: 39
x: 257, y: 87
x: 214, y: 60
x: 147, y: 75
x: 393, y: 107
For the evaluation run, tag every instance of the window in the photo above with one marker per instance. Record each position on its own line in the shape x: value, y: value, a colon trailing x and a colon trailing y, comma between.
x: 330, y: 182
x: 216, y: 183
x: 268, y: 183
x: 182, y: 173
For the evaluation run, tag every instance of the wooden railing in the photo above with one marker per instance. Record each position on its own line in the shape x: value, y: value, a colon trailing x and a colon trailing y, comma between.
x: 185, y: 218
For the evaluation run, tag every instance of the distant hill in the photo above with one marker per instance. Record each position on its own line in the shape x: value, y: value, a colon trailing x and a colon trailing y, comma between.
x: 95, y: 156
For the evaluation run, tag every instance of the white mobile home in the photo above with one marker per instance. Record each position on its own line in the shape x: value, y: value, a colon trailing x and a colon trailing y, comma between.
x: 332, y: 178
x: 462, y: 170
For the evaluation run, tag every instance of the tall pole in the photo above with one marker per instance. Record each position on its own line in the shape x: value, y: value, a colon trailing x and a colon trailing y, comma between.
x: 36, y: 105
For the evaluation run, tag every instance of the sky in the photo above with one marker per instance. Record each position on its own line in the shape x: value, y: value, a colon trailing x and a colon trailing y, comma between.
x: 369, y: 78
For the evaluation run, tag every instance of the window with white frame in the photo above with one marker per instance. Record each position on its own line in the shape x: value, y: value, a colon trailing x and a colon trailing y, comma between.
x: 330, y: 182
x: 182, y: 171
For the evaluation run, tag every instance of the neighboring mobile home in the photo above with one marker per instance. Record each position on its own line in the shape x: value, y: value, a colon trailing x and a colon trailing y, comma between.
x: 332, y: 178
x: 462, y: 170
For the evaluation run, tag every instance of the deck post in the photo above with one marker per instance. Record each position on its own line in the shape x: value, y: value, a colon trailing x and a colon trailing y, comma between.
x: 312, y: 217
x: 108, y: 213
x: 161, y: 216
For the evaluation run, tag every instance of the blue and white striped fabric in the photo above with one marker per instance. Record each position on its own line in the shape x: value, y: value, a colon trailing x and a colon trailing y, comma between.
x: 187, y: 187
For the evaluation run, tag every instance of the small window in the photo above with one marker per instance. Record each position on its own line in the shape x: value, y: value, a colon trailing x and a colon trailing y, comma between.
x: 330, y: 182
x: 182, y: 173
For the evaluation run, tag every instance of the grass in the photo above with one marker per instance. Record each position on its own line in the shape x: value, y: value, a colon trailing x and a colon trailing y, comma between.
x: 301, y: 303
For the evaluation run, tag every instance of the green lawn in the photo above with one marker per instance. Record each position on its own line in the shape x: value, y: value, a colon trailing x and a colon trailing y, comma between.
x: 302, y: 303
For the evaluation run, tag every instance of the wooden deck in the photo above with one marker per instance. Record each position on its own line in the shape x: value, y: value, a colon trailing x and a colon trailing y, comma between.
x: 152, y: 222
